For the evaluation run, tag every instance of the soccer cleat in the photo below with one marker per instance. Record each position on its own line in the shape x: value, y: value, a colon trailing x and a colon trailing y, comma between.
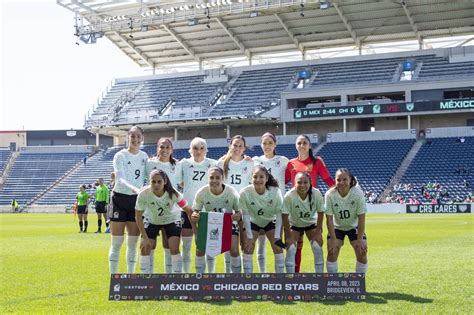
x: 98, y: 231
x: 107, y: 230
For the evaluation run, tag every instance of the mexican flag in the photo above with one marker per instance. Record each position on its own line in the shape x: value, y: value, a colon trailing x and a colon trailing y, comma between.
x: 214, y: 233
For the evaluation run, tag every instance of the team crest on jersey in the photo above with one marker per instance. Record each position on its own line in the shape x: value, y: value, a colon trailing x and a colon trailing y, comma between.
x: 129, y: 163
x: 226, y: 202
x: 336, y: 205
x: 173, y: 168
x: 153, y: 203
x: 208, y: 203
x: 352, y: 203
x: 252, y: 203
x: 278, y: 163
x: 270, y: 202
x: 191, y: 166
x: 143, y: 161
x: 245, y: 169
x: 297, y: 207
x: 168, y: 204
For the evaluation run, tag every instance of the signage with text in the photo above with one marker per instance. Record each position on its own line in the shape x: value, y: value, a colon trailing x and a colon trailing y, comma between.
x: 445, y: 208
x: 386, y: 108
x: 239, y: 287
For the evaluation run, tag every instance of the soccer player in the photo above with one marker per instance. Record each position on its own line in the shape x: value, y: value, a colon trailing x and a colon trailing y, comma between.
x: 129, y: 168
x: 165, y: 161
x: 261, y: 205
x: 195, y: 171
x: 345, y: 215
x: 156, y: 203
x: 303, y: 213
x: 237, y: 172
x: 101, y: 200
x: 276, y: 165
x: 306, y: 162
x: 82, y: 199
x: 218, y: 197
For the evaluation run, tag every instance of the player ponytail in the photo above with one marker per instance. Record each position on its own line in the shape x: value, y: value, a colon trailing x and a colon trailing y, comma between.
x: 310, y: 190
x: 311, y: 154
x: 352, y: 178
x: 228, y: 156
x: 168, y: 140
x: 273, y: 137
x: 271, y: 181
x: 168, y: 186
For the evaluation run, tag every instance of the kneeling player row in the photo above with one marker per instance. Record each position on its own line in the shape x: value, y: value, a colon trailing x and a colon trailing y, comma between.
x: 258, y: 209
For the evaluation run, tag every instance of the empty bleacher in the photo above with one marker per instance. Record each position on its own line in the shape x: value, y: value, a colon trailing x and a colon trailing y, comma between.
x: 5, y: 154
x: 372, y: 162
x: 254, y: 90
x: 32, y: 173
x: 99, y: 165
x: 446, y: 161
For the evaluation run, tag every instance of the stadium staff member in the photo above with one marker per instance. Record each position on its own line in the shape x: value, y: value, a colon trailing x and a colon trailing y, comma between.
x: 82, y: 199
x: 101, y: 200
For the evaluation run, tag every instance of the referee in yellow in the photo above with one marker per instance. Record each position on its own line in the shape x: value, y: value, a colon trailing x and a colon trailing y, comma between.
x: 101, y: 200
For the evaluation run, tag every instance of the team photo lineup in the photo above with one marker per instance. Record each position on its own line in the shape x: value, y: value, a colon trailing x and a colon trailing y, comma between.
x: 248, y: 188
x: 237, y: 156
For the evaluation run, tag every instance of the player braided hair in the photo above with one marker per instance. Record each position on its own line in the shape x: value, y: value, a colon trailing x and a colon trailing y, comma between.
x: 168, y: 140
x: 271, y: 135
x: 310, y: 190
x: 353, y: 179
x: 168, y: 186
x: 228, y: 156
x: 271, y: 181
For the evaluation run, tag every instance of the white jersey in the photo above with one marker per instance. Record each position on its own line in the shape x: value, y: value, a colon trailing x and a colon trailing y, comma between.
x: 299, y: 211
x: 195, y: 176
x: 174, y: 172
x: 132, y: 166
x: 275, y: 166
x: 239, y: 174
x: 345, y: 210
x: 206, y: 201
x: 159, y: 210
x: 262, y: 209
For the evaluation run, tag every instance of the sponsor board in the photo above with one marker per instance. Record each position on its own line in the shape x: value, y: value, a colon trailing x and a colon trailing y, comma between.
x: 239, y: 287
x: 443, y: 208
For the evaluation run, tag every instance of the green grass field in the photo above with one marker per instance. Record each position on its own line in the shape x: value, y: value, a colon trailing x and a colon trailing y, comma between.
x: 417, y: 264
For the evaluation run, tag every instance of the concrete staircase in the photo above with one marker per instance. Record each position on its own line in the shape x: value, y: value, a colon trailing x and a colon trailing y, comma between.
x: 401, y: 170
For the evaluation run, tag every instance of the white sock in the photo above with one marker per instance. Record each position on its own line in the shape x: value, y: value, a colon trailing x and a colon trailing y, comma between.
x: 114, y: 252
x: 187, y: 244
x: 152, y: 261
x: 360, y: 267
x: 331, y: 266
x: 227, y: 262
x: 247, y: 261
x: 279, y: 263
x: 262, y: 254
x: 318, y: 257
x: 168, y: 262
x: 132, y: 246
x: 236, y: 264
x: 200, y: 264
x: 145, y: 264
x: 176, y: 263
x: 211, y: 264
x: 290, y: 258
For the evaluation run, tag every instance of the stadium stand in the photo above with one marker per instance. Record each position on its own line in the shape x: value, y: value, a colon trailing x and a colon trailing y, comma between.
x: 372, y: 162
x: 100, y: 165
x: 4, y: 157
x: 32, y: 173
x: 64, y: 193
x: 252, y: 91
x: 447, y: 163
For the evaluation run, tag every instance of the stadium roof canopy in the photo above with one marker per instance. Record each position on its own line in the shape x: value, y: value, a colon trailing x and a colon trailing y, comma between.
x: 154, y: 33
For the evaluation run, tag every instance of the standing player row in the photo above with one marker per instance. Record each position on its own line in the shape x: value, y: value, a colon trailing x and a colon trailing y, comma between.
x: 131, y: 165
